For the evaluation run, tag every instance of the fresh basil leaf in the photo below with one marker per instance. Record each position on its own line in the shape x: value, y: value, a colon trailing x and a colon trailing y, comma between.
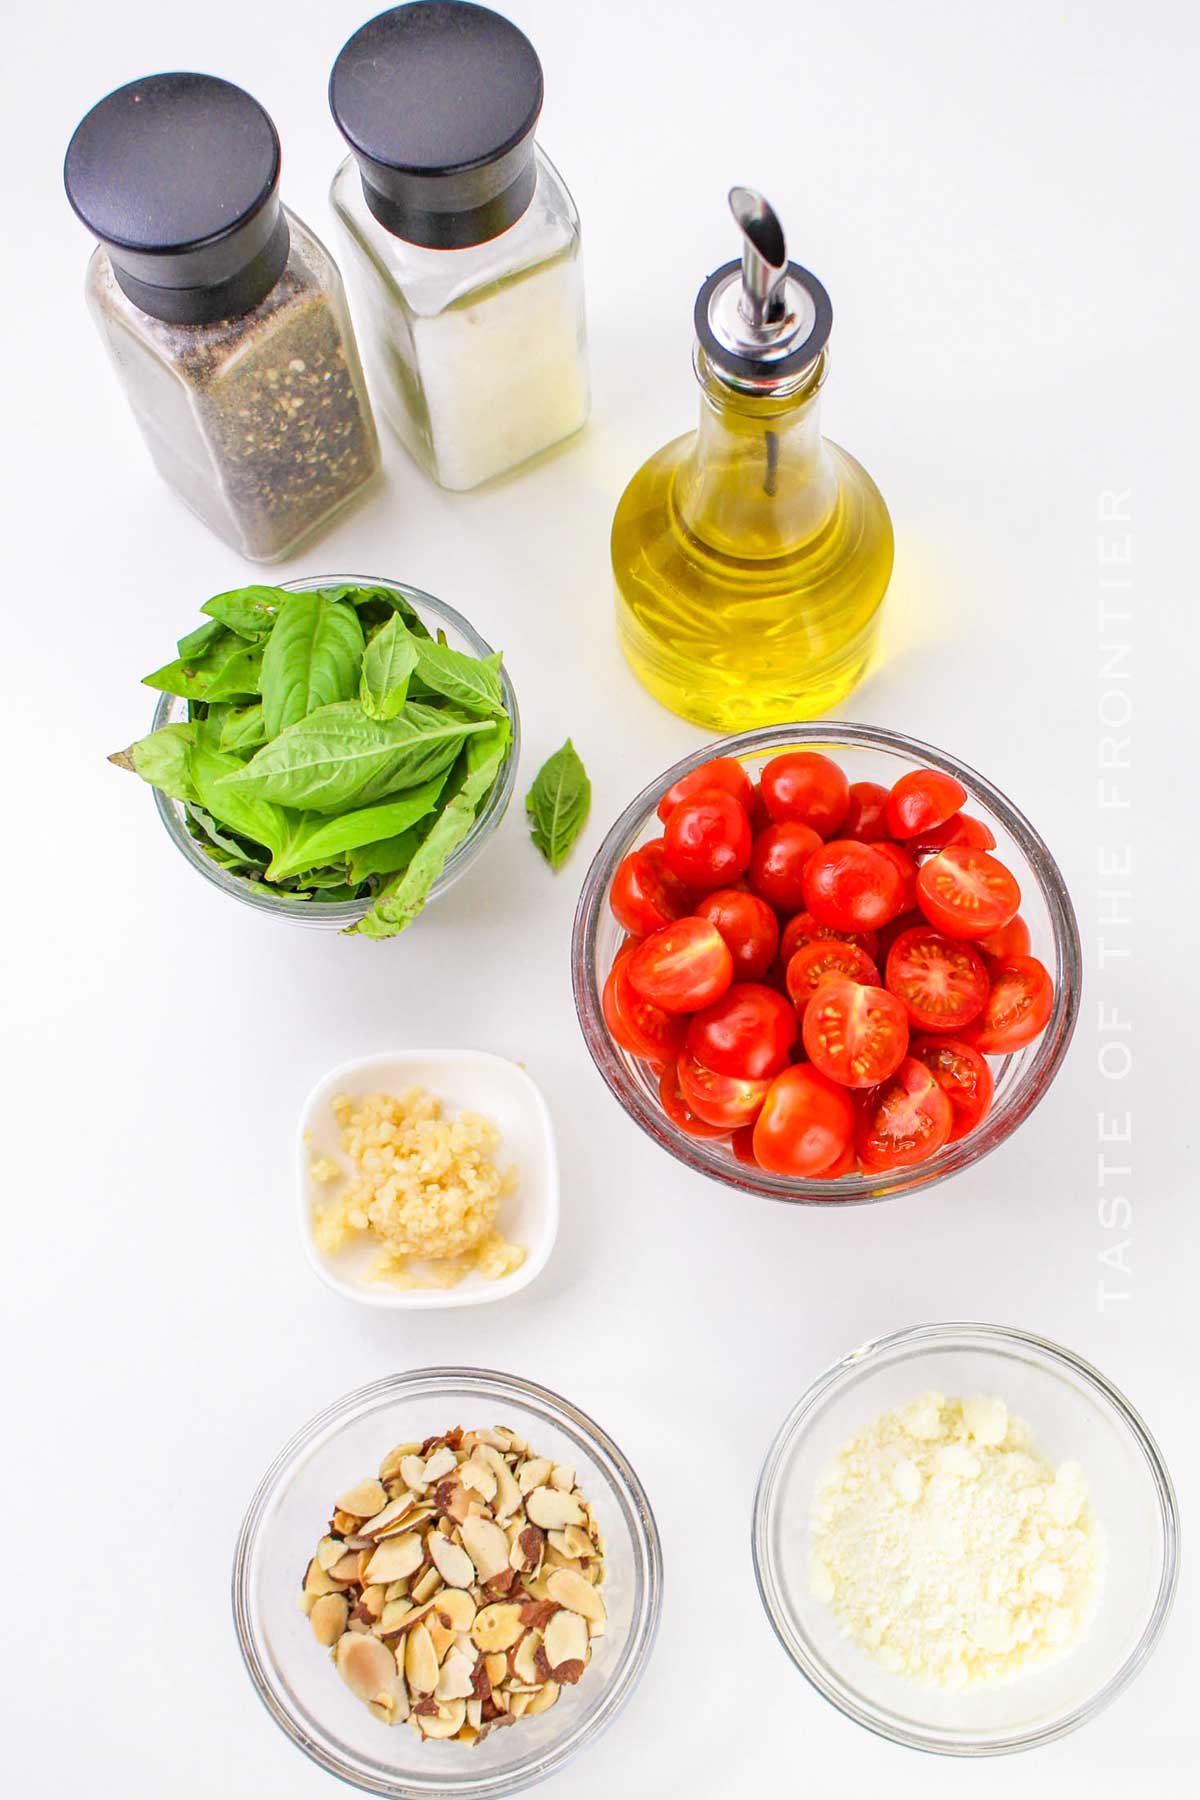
x: 386, y: 857
x: 243, y: 728
x: 318, y: 840
x: 162, y: 759
x: 311, y: 659
x: 388, y: 661
x: 468, y: 681
x: 238, y: 675
x: 337, y: 757
x: 189, y: 679
x: 246, y: 813
x: 402, y: 899
x: 205, y: 637
x: 250, y: 611
x: 230, y: 852
x: 376, y: 605
x: 558, y: 804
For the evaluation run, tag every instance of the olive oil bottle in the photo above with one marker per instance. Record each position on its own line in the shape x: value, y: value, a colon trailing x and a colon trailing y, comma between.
x: 751, y: 556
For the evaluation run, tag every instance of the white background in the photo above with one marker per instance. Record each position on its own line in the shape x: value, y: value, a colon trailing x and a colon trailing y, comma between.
x: 1001, y: 201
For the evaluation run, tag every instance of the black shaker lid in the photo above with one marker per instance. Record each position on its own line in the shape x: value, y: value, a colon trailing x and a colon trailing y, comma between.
x: 178, y: 176
x: 438, y: 101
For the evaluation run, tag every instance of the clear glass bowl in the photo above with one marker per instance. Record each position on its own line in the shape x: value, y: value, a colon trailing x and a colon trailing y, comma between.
x: 866, y: 753
x: 335, y: 915
x: 1075, y: 1413
x: 293, y: 1675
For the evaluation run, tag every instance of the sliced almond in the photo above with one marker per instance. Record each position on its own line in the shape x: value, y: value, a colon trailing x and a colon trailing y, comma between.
x: 451, y: 1561
x: 446, y: 1722
x: 495, y: 1667
x: 389, y: 1468
x: 317, y: 1582
x: 566, y: 1640
x: 396, y: 1590
x: 527, y: 1549
x: 551, y: 1509
x: 572, y: 1543
x: 420, y: 1661
x: 534, y: 1473
x: 486, y: 1545
x: 346, y: 1568
x: 497, y: 1627
x: 543, y: 1701
x: 395, y: 1509
x: 427, y: 1585
x: 457, y: 1608
x: 476, y: 1476
x: 412, y: 1471
x: 442, y: 1462
x: 328, y: 1618
x: 518, y: 1704
x: 507, y: 1497
x: 396, y: 1558
x: 367, y: 1667
x: 455, y: 1680
x: 524, y: 1662
x: 562, y: 1476
x: 475, y: 1714
x: 330, y: 1550
x: 573, y: 1592
x: 442, y: 1635
x: 363, y: 1501
x: 394, y: 1612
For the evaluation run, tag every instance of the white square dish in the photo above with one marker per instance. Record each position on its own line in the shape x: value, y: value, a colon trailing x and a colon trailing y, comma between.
x: 465, y: 1081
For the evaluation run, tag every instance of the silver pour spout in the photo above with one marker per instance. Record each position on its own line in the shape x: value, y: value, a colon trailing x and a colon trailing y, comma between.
x: 762, y: 302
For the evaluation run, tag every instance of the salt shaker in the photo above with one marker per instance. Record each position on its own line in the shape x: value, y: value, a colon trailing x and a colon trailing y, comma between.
x: 463, y: 240
x: 225, y: 317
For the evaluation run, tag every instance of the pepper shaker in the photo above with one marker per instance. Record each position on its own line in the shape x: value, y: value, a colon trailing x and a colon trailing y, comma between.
x: 225, y: 317
x: 463, y: 239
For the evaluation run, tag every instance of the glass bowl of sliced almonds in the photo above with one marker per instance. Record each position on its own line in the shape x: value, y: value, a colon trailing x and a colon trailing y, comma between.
x: 447, y: 1583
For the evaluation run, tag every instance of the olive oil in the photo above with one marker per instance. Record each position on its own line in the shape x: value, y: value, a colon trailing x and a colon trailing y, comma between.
x: 752, y: 556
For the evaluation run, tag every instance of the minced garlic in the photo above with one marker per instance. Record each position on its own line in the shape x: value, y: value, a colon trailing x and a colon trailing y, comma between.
x: 423, y: 1186
x: 950, y: 1549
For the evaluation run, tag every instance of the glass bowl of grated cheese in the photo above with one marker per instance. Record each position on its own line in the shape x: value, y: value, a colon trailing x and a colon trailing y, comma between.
x: 966, y: 1539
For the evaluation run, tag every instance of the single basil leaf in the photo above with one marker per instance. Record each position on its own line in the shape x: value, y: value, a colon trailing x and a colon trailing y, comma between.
x: 250, y: 611
x: 375, y: 606
x: 404, y: 896
x: 311, y: 659
x: 238, y: 675
x: 230, y: 852
x: 162, y: 759
x: 388, y: 661
x: 387, y: 857
x: 243, y: 728
x: 467, y: 681
x: 199, y: 642
x: 318, y: 840
x: 247, y: 814
x: 558, y: 804
x: 189, y: 679
x: 337, y: 757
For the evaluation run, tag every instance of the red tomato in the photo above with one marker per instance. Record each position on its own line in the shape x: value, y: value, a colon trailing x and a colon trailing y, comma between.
x: 906, y: 868
x: 845, y: 1164
x: 893, y: 929
x: 942, y: 981
x: 852, y: 887
x: 708, y: 840
x: 749, y: 927
x: 722, y: 772
x: 803, y: 929
x: 853, y: 1033
x: 778, y: 861
x: 865, y: 820
x: 683, y: 967
x: 808, y: 787
x: 805, y: 1124
x: 678, y: 1110
x: 922, y: 799
x: 1017, y: 1007
x: 962, y: 828
x: 645, y: 895
x: 906, y: 1120
x: 1011, y: 940
x: 725, y: 1101
x: 823, y: 957
x: 742, y: 1145
x: 638, y: 1027
x: 749, y: 1031
x: 760, y: 818
x: 963, y: 1077
x: 967, y: 893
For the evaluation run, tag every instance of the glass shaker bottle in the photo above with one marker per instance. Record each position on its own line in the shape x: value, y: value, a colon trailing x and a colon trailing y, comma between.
x: 225, y: 317
x: 464, y: 242
x: 752, y: 555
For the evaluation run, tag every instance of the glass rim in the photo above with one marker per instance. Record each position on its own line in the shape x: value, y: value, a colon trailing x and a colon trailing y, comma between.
x: 863, y: 1188
x: 973, y: 1335
x: 347, y: 912
x: 647, y: 1560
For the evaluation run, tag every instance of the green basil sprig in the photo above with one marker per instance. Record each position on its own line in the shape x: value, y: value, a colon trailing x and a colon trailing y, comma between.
x: 558, y: 804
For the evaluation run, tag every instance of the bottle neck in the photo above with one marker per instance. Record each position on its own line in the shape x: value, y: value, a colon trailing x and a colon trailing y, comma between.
x: 757, y: 482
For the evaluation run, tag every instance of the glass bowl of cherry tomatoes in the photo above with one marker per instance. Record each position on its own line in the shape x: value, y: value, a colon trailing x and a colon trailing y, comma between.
x: 825, y: 963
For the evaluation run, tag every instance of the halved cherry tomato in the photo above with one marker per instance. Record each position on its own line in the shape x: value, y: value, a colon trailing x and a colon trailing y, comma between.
x: 967, y: 893
x: 854, y: 1033
x: 962, y: 828
x: 637, y: 1026
x: 894, y: 929
x: 906, y: 1120
x: 808, y: 787
x: 683, y: 967
x: 722, y: 772
x: 726, y: 1101
x: 814, y: 962
x: 1011, y: 940
x: 845, y: 1164
x: 805, y: 1124
x: 749, y: 927
x: 963, y: 1077
x: 707, y: 839
x: 778, y: 861
x: 1017, y: 1007
x: 942, y: 981
x: 645, y: 895
x: 749, y: 1032
x: 678, y: 1110
x: 922, y: 799
x: 803, y: 929
x: 851, y: 886
x: 906, y: 868
x: 866, y: 817
x: 742, y: 1145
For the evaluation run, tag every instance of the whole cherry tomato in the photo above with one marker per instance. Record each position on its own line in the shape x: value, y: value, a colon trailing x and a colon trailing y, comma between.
x: 851, y: 886
x: 707, y: 838
x: 963, y: 1076
x: 722, y: 772
x: 846, y: 1164
x: 854, y: 1033
x: 805, y: 1123
x: 749, y: 927
x: 922, y: 799
x: 962, y: 828
x: 645, y: 895
x: 749, y: 1032
x: 1018, y: 1005
x: 677, y: 1109
x: 820, y: 958
x: 967, y: 893
x: 725, y: 1101
x: 637, y: 1026
x: 808, y: 787
x: 760, y: 818
x: 683, y: 967
x: 905, y: 1121
x: 942, y: 981
x: 866, y: 817
x: 778, y: 861
x: 1011, y: 940
x: 906, y: 868
x: 803, y: 929
x: 742, y: 1145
